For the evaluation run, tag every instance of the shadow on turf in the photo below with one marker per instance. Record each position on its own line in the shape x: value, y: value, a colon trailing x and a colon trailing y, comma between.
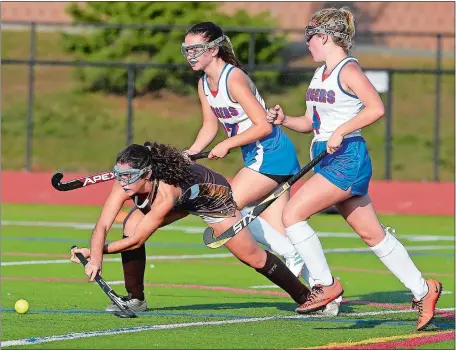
x: 393, y: 297
x: 290, y: 306
x: 397, y: 297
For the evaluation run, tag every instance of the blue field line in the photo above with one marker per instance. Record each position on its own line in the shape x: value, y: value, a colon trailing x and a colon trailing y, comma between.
x: 151, y: 313
x: 449, y: 255
x: 340, y: 319
x: 358, y: 323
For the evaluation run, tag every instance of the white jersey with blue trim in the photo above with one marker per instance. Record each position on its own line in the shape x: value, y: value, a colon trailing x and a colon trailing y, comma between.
x: 229, y: 113
x: 330, y: 105
x: 273, y: 154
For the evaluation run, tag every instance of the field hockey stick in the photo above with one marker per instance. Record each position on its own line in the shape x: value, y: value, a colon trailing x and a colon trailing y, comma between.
x: 97, y: 178
x: 215, y: 242
x: 125, y: 311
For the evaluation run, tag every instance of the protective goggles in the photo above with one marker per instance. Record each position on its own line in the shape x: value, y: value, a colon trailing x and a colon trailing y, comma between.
x: 129, y: 176
x: 328, y: 28
x: 196, y: 50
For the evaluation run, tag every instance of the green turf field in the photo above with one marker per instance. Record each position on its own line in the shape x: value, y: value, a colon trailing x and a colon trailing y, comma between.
x: 202, y: 298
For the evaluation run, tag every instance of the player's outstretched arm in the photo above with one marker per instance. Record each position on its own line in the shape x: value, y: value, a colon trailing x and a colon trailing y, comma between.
x: 111, y: 208
x: 154, y: 219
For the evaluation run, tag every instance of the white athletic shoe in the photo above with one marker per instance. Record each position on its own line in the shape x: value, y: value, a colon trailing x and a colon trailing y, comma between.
x: 330, y: 310
x: 294, y: 263
x: 135, y: 305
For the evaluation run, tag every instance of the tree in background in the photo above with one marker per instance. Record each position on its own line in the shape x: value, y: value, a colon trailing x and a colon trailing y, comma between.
x: 159, y: 45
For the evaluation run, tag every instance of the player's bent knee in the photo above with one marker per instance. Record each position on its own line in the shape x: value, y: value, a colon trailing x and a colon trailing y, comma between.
x: 254, y: 257
x: 128, y: 229
x: 131, y: 222
x: 241, y: 202
x: 256, y: 260
x: 292, y: 217
x: 371, y: 237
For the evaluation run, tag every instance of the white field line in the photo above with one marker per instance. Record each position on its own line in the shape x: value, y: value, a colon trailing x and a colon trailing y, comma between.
x: 200, y: 230
x: 114, y: 282
x: 214, y: 256
x: 72, y: 336
x: 409, y: 248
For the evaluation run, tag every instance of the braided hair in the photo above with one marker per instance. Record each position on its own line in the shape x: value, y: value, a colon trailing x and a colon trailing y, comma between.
x: 167, y: 163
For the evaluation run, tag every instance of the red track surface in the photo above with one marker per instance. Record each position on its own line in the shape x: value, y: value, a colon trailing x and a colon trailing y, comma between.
x: 420, y: 198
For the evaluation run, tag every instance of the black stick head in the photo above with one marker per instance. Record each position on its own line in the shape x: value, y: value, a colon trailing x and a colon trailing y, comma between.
x: 55, y: 180
x: 208, y: 236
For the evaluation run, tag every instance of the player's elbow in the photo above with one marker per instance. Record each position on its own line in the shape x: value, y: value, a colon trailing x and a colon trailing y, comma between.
x: 377, y: 111
x: 265, y: 129
x: 380, y: 111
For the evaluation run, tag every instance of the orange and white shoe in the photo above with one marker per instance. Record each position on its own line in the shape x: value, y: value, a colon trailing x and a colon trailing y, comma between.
x: 321, y: 296
x: 426, y: 306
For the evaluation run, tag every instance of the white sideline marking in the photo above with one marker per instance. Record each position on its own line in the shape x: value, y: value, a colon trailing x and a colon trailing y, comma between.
x: 114, y: 282
x: 72, y: 336
x: 443, y: 292
x: 215, y: 256
x: 200, y: 230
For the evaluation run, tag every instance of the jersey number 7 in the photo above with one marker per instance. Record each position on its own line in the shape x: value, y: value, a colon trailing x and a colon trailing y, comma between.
x: 231, y: 129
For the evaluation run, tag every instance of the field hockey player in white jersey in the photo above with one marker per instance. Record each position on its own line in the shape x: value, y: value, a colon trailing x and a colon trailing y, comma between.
x: 340, y: 102
x: 228, y: 96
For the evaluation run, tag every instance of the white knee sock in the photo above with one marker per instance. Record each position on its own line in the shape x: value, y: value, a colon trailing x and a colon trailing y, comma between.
x: 395, y: 257
x: 307, y: 277
x: 265, y: 234
x: 306, y: 242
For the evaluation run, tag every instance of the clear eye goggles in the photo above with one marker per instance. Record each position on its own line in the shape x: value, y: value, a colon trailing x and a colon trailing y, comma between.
x: 129, y: 176
x: 196, y: 50
x: 327, y: 28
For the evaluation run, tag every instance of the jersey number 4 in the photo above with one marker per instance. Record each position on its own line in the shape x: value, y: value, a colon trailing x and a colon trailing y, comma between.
x: 231, y: 129
x: 316, y: 120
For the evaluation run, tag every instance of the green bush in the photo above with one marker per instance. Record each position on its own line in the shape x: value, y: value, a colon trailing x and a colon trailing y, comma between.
x: 159, y: 46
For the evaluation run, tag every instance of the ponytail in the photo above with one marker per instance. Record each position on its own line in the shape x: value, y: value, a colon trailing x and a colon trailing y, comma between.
x: 350, y: 18
x: 169, y: 164
x: 228, y: 56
